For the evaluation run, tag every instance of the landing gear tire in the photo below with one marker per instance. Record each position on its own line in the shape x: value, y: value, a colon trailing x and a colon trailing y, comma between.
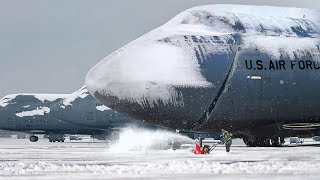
x: 263, y: 141
x: 33, y: 138
x: 257, y: 142
x: 56, y: 137
x: 249, y: 141
x: 275, y: 142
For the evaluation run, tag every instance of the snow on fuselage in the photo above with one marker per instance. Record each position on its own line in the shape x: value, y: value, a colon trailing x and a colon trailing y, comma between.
x: 248, y: 69
x: 23, y: 112
x: 32, y: 113
x: 80, y: 108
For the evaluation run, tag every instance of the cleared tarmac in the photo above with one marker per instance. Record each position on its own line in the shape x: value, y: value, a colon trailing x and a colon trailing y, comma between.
x: 21, y: 159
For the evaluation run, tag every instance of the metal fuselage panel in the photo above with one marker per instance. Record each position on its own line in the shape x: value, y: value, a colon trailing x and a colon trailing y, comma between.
x: 264, y: 92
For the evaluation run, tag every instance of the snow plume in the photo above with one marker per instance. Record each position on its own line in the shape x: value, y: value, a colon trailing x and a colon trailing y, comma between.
x: 138, y: 139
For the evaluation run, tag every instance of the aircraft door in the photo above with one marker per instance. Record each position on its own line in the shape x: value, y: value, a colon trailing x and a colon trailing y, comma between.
x: 254, y: 92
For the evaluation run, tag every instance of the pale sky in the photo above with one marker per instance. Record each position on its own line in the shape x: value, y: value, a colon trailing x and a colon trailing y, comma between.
x: 49, y: 46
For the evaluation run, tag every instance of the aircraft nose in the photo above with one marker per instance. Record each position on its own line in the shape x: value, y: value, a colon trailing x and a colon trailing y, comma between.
x: 145, y: 73
x: 148, y: 80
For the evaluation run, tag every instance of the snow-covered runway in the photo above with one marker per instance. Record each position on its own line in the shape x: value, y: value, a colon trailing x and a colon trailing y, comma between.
x: 20, y: 159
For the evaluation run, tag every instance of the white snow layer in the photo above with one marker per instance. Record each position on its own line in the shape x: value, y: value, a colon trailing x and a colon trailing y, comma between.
x: 49, y: 97
x: 81, y: 93
x: 5, y: 100
x: 42, y: 97
x: 148, y: 70
x: 102, y: 108
x: 40, y: 111
x: 199, y: 167
x: 45, y: 160
x: 221, y: 18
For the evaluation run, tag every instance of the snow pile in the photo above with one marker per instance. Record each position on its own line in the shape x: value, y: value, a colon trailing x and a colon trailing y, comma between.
x: 138, y: 139
x: 81, y: 93
x: 40, y: 111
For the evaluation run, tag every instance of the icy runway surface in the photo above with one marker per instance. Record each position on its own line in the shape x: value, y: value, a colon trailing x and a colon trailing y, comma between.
x: 21, y: 159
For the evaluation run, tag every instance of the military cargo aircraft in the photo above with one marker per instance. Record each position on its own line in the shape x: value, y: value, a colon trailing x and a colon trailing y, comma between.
x: 58, y: 114
x: 32, y: 113
x: 253, y: 70
x: 82, y: 109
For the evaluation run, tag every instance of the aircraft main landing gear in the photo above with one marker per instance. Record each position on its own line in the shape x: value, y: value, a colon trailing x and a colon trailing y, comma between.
x: 33, y: 138
x: 263, y: 141
x: 56, y: 137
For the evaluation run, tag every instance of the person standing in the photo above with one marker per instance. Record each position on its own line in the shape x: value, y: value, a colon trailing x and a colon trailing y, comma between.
x: 226, y: 139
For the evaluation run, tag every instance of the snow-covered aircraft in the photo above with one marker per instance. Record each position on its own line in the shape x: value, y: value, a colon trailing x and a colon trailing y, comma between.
x: 32, y: 113
x: 253, y: 70
x: 82, y: 109
x: 60, y: 114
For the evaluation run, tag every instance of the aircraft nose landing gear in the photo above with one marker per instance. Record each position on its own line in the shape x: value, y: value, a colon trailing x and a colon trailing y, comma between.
x: 33, y: 138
